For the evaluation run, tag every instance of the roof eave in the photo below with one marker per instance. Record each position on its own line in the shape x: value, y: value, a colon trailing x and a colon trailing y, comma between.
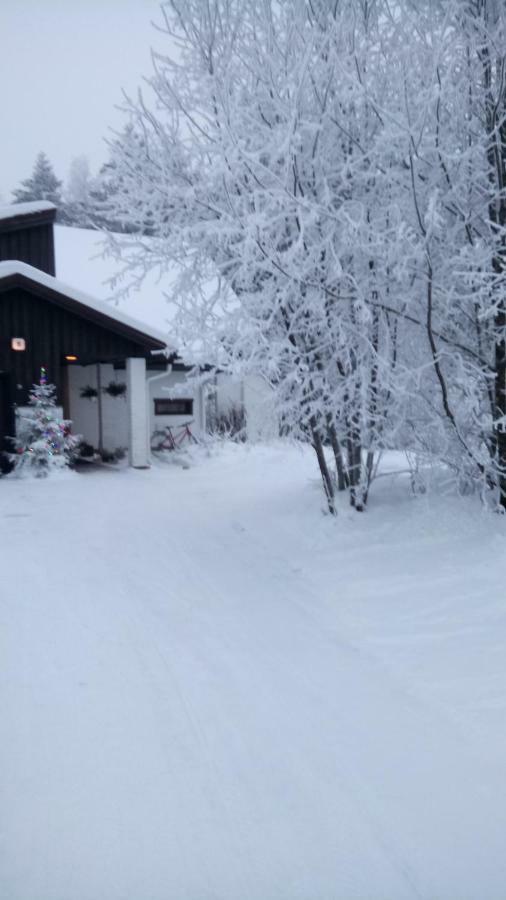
x: 28, y: 220
x: 147, y: 341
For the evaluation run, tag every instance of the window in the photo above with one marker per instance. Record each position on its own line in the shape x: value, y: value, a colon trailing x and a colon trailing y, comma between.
x: 177, y: 407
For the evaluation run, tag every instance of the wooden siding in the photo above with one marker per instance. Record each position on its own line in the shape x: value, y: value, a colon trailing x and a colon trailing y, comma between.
x: 51, y: 332
x: 29, y: 242
x: 7, y: 427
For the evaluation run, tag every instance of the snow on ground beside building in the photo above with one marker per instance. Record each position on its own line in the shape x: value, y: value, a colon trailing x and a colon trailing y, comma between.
x: 212, y: 690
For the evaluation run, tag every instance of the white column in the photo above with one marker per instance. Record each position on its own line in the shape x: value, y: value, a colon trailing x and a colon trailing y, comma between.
x: 202, y: 403
x: 138, y: 437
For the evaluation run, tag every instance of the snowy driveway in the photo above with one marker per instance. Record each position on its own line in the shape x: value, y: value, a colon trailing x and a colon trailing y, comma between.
x: 210, y: 690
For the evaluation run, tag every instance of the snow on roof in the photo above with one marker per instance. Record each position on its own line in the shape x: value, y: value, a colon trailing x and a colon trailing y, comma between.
x: 14, y: 267
x: 80, y: 261
x: 13, y: 210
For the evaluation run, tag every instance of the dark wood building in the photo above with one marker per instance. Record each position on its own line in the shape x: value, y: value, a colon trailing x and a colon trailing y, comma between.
x: 45, y: 323
x: 26, y: 234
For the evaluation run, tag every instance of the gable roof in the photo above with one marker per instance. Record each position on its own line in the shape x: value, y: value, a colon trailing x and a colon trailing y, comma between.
x: 18, y: 274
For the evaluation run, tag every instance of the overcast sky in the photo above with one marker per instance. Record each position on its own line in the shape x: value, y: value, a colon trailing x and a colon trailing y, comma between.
x: 64, y: 63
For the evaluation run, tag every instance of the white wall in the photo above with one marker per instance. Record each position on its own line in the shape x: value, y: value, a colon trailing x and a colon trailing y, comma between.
x: 229, y: 393
x: 162, y: 388
x: 253, y: 392
x: 261, y: 418
x: 257, y: 398
x: 84, y: 412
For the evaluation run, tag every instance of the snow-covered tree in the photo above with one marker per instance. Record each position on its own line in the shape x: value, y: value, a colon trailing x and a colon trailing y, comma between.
x: 44, y: 442
x: 80, y: 193
x: 452, y: 135
x: 333, y: 174
x: 41, y: 185
x: 249, y: 175
x: 105, y: 195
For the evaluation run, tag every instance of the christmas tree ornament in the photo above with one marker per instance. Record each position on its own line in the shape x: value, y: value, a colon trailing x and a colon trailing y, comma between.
x: 44, y: 442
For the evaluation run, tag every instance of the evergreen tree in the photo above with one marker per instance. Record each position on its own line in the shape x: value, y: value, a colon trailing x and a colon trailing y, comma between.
x: 44, y: 443
x: 80, y: 195
x: 108, y: 189
x: 42, y: 184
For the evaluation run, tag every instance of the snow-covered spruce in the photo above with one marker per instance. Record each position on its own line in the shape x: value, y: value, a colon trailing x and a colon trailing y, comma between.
x: 42, y: 185
x: 44, y: 442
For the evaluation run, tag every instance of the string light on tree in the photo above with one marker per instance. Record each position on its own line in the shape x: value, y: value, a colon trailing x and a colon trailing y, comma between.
x: 44, y: 442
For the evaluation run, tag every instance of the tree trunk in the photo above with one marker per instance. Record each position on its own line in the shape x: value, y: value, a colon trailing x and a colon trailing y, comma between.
x: 328, y: 485
x: 500, y: 401
x: 355, y: 469
x: 343, y: 480
x: 495, y: 110
x: 369, y: 465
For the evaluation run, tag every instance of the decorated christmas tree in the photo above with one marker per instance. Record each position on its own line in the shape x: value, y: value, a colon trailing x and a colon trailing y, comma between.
x: 44, y: 441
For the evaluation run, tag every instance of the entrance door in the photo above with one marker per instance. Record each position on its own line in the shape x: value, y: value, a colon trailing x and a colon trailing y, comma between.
x: 7, y: 421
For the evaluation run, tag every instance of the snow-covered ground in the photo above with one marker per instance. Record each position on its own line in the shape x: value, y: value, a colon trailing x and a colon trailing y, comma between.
x: 211, y: 691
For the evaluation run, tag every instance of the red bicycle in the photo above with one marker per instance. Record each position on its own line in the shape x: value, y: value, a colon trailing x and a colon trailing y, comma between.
x: 172, y: 438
